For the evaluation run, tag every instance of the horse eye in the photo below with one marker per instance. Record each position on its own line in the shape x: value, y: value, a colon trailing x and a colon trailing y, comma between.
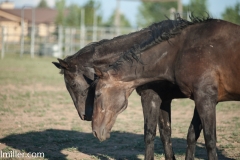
x: 73, y: 85
x: 98, y: 94
x: 84, y: 93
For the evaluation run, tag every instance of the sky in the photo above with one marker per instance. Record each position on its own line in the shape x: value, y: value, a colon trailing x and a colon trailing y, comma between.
x: 130, y: 8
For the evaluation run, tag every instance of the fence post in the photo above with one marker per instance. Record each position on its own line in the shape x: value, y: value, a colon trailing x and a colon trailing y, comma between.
x: 117, y: 21
x: 71, y: 40
x: 60, y: 37
x: 188, y: 15
x: 3, y: 42
x: 22, y: 33
x: 82, y: 32
x: 66, y: 41
x: 94, y: 33
x: 33, y: 33
x: 172, y: 13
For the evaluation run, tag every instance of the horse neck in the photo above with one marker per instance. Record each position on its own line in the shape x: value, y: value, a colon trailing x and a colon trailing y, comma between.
x: 157, y: 64
x: 110, y: 51
x: 97, y: 55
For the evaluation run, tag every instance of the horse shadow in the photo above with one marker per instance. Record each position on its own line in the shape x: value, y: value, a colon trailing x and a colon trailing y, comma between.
x: 52, y: 141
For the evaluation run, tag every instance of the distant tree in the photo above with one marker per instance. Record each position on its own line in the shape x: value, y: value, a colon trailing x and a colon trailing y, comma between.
x: 74, y: 15
x: 42, y: 4
x: 150, y: 12
x: 92, y: 7
x: 71, y: 15
x: 123, y: 20
x: 232, y: 14
x: 197, y: 8
x: 60, y: 6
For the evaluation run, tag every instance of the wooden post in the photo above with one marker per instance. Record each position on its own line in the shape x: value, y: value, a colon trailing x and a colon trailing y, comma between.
x: 3, y: 42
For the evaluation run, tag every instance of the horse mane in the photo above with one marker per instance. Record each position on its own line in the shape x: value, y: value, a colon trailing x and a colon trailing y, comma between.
x: 102, y: 44
x: 160, y: 32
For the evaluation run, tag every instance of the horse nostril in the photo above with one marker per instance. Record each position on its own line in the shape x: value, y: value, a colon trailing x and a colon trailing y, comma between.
x: 103, y: 132
x: 85, y: 117
x: 95, y: 134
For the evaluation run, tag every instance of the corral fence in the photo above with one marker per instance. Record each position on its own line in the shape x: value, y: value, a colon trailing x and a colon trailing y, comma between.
x: 58, y: 42
x: 55, y: 41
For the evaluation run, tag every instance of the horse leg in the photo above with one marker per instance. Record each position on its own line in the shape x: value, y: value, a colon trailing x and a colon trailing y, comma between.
x: 150, y: 103
x: 205, y: 98
x: 193, y: 134
x: 165, y: 129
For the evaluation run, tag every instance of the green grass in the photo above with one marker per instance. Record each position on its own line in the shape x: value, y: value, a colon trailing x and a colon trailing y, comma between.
x: 20, y: 71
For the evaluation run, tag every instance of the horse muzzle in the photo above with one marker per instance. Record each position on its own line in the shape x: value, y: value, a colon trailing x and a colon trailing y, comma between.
x: 102, y: 134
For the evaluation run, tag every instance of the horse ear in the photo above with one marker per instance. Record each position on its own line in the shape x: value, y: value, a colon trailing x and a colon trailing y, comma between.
x: 57, y: 65
x: 98, y: 72
x: 63, y: 64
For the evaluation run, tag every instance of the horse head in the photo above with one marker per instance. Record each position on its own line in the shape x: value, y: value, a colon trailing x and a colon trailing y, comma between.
x: 78, y: 83
x: 111, y: 98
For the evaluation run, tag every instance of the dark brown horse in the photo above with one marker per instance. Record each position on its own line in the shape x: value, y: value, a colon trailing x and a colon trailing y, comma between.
x: 79, y: 75
x: 200, y: 57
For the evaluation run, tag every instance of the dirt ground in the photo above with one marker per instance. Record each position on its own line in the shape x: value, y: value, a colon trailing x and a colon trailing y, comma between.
x: 37, y: 115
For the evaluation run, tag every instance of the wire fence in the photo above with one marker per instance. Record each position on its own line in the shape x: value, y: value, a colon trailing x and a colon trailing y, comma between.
x: 58, y: 41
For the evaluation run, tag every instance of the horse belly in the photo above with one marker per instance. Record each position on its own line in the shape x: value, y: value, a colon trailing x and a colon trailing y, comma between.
x: 229, y: 84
